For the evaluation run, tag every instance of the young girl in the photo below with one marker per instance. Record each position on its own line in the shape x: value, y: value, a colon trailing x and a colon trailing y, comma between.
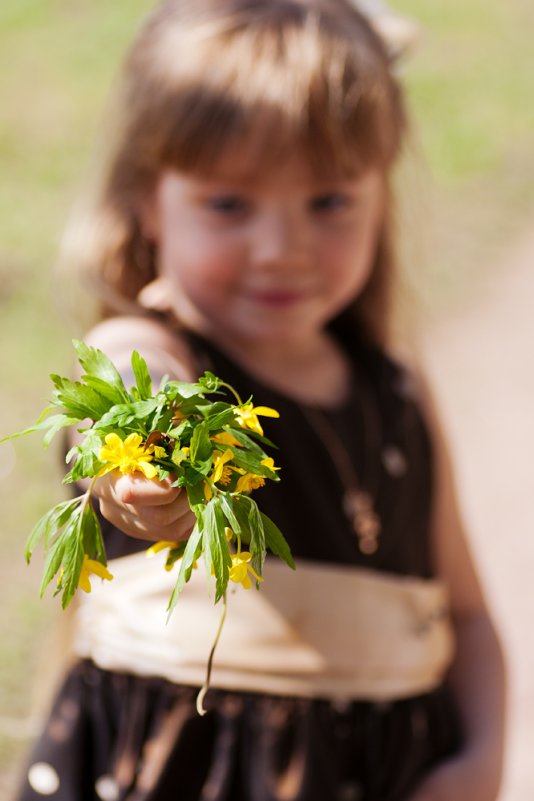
x: 243, y: 224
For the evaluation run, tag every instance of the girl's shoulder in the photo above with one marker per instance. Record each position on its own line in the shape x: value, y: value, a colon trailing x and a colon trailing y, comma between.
x: 160, y: 345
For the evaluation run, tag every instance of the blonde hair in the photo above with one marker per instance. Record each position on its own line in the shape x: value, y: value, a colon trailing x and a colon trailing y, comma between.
x: 206, y: 75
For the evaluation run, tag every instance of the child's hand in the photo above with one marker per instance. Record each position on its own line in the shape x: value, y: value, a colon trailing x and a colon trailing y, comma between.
x: 145, y: 509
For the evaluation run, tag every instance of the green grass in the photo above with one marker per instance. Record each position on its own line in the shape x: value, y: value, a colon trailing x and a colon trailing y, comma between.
x: 471, y: 85
x: 471, y: 82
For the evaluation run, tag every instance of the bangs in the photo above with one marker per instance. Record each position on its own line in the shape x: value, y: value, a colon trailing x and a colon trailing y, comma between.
x: 281, y: 77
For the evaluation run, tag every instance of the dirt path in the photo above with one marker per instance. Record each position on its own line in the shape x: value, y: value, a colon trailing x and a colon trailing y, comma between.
x: 483, y: 371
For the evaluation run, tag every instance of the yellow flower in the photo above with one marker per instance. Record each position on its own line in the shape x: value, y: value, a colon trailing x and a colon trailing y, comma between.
x: 160, y: 546
x: 251, y: 481
x: 221, y: 472
x: 225, y: 438
x: 247, y: 416
x: 128, y: 456
x: 268, y: 462
x: 241, y: 567
x: 91, y: 566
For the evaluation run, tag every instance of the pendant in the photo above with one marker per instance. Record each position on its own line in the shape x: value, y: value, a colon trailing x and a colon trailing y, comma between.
x: 358, y: 506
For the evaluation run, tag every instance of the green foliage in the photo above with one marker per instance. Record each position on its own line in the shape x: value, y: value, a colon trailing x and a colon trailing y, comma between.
x: 133, y: 431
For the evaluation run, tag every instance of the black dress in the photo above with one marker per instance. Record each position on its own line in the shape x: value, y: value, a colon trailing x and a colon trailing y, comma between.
x: 114, y: 737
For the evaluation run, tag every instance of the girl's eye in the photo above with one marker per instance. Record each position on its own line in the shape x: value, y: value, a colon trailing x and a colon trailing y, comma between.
x: 228, y: 205
x: 330, y: 202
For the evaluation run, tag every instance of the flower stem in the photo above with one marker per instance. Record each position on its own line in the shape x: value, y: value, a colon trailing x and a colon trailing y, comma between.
x: 234, y: 393
x: 205, y: 687
x: 86, y: 497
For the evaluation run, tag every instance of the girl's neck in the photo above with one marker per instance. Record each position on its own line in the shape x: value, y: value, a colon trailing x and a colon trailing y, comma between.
x: 312, y: 371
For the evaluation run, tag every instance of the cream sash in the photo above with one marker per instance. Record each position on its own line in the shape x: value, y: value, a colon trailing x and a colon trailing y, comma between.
x: 320, y: 631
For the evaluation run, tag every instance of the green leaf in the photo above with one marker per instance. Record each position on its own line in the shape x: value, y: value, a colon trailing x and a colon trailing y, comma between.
x: 216, y: 549
x: 183, y: 432
x: 97, y: 364
x: 195, y: 497
x: 193, y: 549
x: 57, y: 423
x: 227, y: 505
x: 192, y: 476
x: 142, y: 376
x: 17, y: 434
x: 50, y: 524
x: 164, y: 380
x: 218, y: 415
x: 252, y: 532
x: 77, y: 399
x: 107, y: 393
x: 162, y: 416
x: 201, y: 445
x: 175, y: 554
x: 54, y: 422
x: 250, y: 437
x: 257, y: 536
x: 55, y: 553
x: 181, y: 389
x: 241, y: 509
x: 251, y: 463
x: 124, y: 414
x: 206, y: 545
x: 73, y: 558
x: 245, y: 440
x: 93, y: 543
x: 86, y: 465
x: 276, y: 542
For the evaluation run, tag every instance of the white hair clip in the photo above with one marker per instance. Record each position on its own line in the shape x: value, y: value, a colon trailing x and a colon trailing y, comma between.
x: 400, y: 34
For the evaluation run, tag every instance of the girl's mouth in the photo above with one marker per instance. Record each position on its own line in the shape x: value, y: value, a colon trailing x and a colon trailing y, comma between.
x: 277, y: 298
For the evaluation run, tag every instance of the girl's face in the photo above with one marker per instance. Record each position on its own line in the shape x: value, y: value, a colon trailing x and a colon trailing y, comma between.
x: 272, y: 258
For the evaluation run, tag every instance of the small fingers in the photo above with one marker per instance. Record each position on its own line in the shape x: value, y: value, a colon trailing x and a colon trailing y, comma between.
x: 136, y: 489
x: 145, y: 509
x: 142, y: 526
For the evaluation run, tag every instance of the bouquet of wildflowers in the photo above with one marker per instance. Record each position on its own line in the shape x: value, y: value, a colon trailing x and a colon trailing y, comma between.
x: 211, y: 448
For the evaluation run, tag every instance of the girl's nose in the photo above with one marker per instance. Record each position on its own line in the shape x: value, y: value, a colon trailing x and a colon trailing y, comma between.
x: 279, y: 240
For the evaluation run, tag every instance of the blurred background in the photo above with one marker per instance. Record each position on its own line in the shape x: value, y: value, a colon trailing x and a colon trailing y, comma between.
x: 468, y: 192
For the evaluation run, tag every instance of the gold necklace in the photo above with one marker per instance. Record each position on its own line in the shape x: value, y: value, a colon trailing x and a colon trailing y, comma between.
x: 358, y: 504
